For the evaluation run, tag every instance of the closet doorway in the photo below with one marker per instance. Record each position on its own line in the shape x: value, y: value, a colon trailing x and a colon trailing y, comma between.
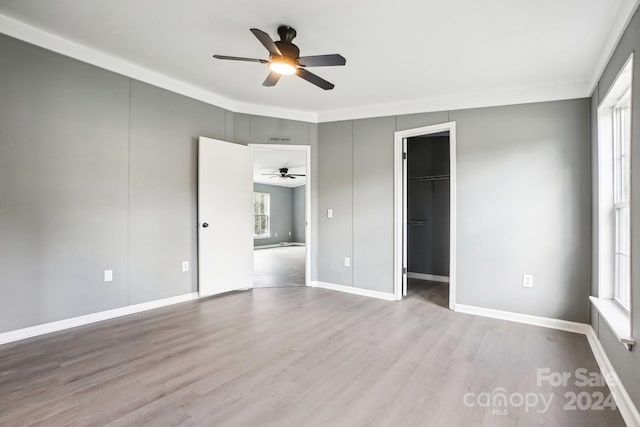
x: 425, y: 213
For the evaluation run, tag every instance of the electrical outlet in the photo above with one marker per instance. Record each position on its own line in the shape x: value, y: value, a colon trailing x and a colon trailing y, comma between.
x: 527, y: 280
x: 185, y: 266
x: 329, y: 213
x: 289, y: 233
x: 276, y: 234
x: 347, y: 262
x: 108, y: 275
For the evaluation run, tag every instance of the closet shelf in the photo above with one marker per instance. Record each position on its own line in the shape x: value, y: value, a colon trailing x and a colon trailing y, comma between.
x: 428, y: 178
x: 416, y: 222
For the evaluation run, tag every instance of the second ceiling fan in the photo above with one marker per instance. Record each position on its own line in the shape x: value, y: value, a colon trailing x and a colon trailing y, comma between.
x: 284, y: 173
x: 285, y: 59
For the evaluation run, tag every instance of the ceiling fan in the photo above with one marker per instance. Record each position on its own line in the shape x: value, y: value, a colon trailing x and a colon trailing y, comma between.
x: 285, y: 59
x: 284, y: 173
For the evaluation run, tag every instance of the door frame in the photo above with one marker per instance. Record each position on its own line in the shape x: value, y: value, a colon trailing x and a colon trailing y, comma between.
x: 307, y: 198
x: 400, y: 205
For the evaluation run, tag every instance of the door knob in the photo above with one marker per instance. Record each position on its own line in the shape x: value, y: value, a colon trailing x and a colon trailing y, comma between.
x: 205, y: 225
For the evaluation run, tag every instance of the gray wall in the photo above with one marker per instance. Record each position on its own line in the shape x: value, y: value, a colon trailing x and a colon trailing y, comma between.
x: 626, y: 363
x: 335, y: 191
x: 64, y: 142
x: 523, y: 207
x: 523, y: 204
x: 98, y: 171
x: 287, y: 214
x: 429, y: 202
x: 164, y: 134
x: 298, y: 214
x: 281, y: 214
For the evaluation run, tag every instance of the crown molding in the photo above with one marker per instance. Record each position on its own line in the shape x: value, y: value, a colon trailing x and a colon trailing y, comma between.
x: 620, y: 24
x: 523, y: 95
x: 52, y: 42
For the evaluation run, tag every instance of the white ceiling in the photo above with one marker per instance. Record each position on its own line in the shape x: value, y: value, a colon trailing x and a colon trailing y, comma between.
x: 407, y: 56
x: 269, y: 161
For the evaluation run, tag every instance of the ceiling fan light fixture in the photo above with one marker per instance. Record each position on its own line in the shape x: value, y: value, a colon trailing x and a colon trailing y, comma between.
x: 285, y: 59
x: 282, y: 66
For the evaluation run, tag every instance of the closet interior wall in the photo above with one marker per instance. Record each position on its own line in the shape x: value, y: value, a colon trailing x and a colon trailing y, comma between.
x: 428, y: 204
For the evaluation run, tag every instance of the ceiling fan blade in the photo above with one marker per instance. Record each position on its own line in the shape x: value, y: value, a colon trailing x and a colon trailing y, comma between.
x: 296, y: 174
x: 316, y: 80
x: 266, y: 41
x: 271, y: 174
x: 239, y: 58
x: 322, y: 60
x: 291, y: 176
x: 271, y: 79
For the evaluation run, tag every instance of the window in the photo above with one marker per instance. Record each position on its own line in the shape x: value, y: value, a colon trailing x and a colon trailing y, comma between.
x: 621, y: 184
x: 261, y: 220
x: 613, y: 301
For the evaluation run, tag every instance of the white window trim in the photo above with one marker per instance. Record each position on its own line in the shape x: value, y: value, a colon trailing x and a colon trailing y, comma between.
x: 612, y: 311
x: 268, y: 215
x: 616, y: 317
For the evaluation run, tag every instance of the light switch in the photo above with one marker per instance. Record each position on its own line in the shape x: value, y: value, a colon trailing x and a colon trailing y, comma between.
x: 347, y: 262
x: 108, y: 275
x: 527, y: 280
x: 329, y: 213
x: 185, y: 266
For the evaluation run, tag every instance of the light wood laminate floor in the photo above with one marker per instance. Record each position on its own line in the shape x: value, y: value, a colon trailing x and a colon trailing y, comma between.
x: 279, y: 266
x: 291, y: 357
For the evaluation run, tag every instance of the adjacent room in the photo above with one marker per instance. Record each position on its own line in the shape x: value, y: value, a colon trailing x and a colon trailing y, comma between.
x: 418, y: 213
x: 279, y: 198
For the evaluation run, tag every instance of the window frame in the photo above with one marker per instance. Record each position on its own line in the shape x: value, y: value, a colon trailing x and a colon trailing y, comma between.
x: 267, y: 215
x: 613, y: 188
x: 621, y: 115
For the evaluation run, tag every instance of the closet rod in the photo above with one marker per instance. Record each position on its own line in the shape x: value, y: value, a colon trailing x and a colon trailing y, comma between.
x: 428, y: 178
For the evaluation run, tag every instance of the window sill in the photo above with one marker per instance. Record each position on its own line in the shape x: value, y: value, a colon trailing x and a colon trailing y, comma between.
x: 261, y: 237
x: 618, y: 319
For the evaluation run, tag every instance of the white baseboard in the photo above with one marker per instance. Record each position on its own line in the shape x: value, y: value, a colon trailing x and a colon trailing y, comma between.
x: 46, y: 328
x: 353, y: 290
x: 267, y: 246
x: 430, y: 277
x: 279, y: 245
x: 546, y: 322
x: 624, y: 403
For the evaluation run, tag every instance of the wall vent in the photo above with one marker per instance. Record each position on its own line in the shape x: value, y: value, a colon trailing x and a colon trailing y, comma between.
x: 279, y: 139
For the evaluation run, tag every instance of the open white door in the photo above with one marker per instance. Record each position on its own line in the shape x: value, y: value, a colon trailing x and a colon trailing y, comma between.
x: 225, y: 216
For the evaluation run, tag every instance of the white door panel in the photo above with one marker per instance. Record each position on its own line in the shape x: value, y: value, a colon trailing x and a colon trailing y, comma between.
x: 225, y: 216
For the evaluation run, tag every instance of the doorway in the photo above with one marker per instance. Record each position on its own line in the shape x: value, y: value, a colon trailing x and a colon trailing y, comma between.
x: 425, y: 211
x: 281, y: 207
